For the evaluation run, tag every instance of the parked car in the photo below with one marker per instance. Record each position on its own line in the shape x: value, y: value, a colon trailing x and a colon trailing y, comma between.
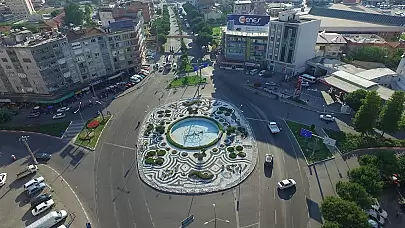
x: 33, y: 182
x: 268, y: 160
x: 43, y: 157
x: 328, y: 118
x: 41, y: 198
x: 34, y: 115
x: 36, y: 188
x: 59, y: 115
x: 373, y: 224
x: 287, y: 183
x: 42, y: 207
x: 375, y: 216
x: 3, y: 178
x: 379, y: 210
x: 270, y: 84
x: 262, y: 73
x: 63, y: 109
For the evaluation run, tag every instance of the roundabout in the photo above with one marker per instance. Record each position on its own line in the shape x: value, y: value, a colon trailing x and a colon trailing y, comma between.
x: 195, y: 146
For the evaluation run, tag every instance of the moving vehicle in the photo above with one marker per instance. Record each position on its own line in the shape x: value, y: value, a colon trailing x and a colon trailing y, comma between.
x: 305, y: 84
x: 262, y: 73
x: 36, y: 188
x: 43, y: 157
x: 287, y: 183
x: 254, y: 71
x: 27, y: 171
x: 33, y: 182
x: 274, y: 129
x: 308, y: 78
x: 41, y: 198
x: 3, y: 178
x: 379, y: 210
x: 34, y: 115
x: 63, y: 109
x: 59, y: 115
x: 328, y: 118
x: 49, y: 220
x: 42, y: 207
x: 375, y: 216
x: 268, y: 160
x: 270, y: 84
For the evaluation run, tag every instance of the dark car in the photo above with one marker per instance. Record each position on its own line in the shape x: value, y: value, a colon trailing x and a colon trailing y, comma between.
x: 36, y: 188
x: 41, y: 198
x: 34, y: 115
x: 43, y: 157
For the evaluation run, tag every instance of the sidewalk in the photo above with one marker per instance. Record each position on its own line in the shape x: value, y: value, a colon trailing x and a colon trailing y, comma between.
x: 67, y: 198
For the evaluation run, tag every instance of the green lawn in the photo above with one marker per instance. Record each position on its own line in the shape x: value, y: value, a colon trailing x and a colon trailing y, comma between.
x: 216, y: 31
x: 54, y: 129
x: 97, y: 133
x: 347, y: 142
x: 403, y: 36
x: 187, y: 80
x: 321, y: 152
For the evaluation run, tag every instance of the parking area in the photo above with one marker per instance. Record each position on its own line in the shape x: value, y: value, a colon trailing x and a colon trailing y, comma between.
x: 17, y: 211
x: 389, y: 201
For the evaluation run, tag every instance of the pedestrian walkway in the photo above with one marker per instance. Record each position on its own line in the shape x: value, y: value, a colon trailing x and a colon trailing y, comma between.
x: 74, y: 128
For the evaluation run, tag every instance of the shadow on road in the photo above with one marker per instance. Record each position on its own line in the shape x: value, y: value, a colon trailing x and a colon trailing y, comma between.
x: 317, y: 179
x: 268, y: 171
x: 314, y: 210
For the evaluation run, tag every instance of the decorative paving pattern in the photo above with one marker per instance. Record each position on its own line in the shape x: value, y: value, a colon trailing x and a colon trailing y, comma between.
x: 167, y: 167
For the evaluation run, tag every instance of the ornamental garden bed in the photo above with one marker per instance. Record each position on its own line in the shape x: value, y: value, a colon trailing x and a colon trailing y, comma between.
x: 187, y: 81
x: 91, y: 132
x: 313, y: 148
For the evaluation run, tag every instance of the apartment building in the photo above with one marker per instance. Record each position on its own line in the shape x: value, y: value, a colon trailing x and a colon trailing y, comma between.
x: 330, y: 45
x: 21, y: 8
x: 242, y: 7
x: 291, y: 42
x: 133, y: 8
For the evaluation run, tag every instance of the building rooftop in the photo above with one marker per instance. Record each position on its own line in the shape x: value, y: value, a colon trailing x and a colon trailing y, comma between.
x: 353, y: 8
x: 376, y: 73
x: 333, y: 65
x: 330, y: 38
x: 353, y: 79
x: 249, y: 34
x: 364, y: 38
x: 76, y: 34
x: 32, y: 40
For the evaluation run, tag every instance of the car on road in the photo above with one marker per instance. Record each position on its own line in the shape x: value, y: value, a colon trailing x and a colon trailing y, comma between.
x: 59, y: 115
x: 375, y: 216
x: 262, y: 73
x: 305, y: 84
x: 63, y: 109
x: 373, y: 224
x: 42, y: 207
x: 327, y: 117
x: 43, y: 157
x: 41, y: 198
x: 254, y: 71
x: 270, y: 84
x: 34, y: 181
x: 268, y: 160
x: 36, y: 188
x: 377, y: 208
x: 3, y: 179
x: 287, y: 183
x: 34, y: 115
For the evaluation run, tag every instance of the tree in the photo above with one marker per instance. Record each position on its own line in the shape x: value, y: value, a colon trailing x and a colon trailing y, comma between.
x: 162, y: 38
x: 368, y: 177
x: 56, y: 13
x: 387, y: 162
x: 368, y: 160
x: 354, y: 99
x: 366, y: 118
x: 329, y: 224
x: 159, y: 11
x: 197, y: 27
x: 391, y: 113
x: 355, y: 193
x: 401, y: 165
x: 345, y: 213
x: 197, y: 20
x: 206, y: 29
x: 87, y: 13
x: 5, y: 116
x: 203, y: 39
x: 73, y: 14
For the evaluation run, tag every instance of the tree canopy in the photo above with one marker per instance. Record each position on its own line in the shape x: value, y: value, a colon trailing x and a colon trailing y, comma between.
x: 346, y: 214
x: 354, y: 192
x: 5, y: 116
x: 387, y: 162
x: 391, y: 113
x: 368, y: 177
x: 203, y: 39
x: 401, y: 165
x: 73, y: 14
x: 329, y: 224
x: 368, y: 160
x: 354, y: 99
x: 377, y: 54
x: 366, y: 118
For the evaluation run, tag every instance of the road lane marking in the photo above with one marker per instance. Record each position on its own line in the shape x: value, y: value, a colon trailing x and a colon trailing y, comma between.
x: 283, y: 158
x: 275, y: 216
x: 113, y: 200
x: 121, y: 146
x: 254, y: 224
x: 274, y: 194
x: 132, y: 211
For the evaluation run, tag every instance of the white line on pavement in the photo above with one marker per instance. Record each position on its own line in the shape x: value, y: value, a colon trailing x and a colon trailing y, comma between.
x: 254, y: 224
x: 113, y: 199
x: 130, y: 208
x: 124, y: 147
x: 274, y: 194
x: 283, y: 157
x: 275, y: 216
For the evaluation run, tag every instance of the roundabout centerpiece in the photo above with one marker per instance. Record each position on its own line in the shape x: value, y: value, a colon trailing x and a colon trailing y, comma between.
x: 195, y: 146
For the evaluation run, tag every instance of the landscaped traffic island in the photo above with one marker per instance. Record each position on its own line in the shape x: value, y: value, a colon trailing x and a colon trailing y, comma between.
x: 91, y: 132
x: 195, y: 146
x: 187, y: 81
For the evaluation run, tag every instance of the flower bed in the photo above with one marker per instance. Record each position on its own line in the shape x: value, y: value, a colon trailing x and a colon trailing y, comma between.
x: 93, y: 124
x: 91, y: 143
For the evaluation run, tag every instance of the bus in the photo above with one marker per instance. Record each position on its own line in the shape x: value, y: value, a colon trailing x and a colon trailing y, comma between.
x: 308, y: 78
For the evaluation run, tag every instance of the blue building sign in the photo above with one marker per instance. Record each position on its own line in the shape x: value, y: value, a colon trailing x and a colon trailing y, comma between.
x: 249, y: 20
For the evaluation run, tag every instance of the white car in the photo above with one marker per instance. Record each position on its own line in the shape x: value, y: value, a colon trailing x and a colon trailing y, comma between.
x: 59, y: 116
x: 327, y: 117
x: 33, y: 181
x: 268, y: 160
x: 379, y: 210
x: 254, y: 71
x: 261, y: 73
x: 287, y: 183
x: 3, y: 178
x: 164, y: 64
x: 373, y: 224
x: 375, y: 216
x: 63, y: 109
x: 42, y: 207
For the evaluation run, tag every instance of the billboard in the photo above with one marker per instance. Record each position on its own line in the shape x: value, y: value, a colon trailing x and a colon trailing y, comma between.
x: 249, y: 20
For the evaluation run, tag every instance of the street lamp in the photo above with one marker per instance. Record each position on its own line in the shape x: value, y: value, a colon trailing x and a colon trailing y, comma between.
x: 215, y: 218
x: 24, y: 139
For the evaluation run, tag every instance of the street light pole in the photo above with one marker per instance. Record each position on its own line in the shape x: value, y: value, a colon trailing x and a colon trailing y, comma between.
x: 80, y: 111
x: 24, y: 139
x: 215, y: 216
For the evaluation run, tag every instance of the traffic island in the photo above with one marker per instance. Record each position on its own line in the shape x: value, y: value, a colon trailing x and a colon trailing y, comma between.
x: 195, y: 146
x: 54, y: 129
x: 91, y: 132
x: 311, y: 146
x: 187, y: 81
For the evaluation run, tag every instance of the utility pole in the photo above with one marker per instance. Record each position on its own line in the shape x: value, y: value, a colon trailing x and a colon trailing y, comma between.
x: 24, y: 139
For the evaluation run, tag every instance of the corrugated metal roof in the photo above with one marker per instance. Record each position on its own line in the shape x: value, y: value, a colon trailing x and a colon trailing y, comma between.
x: 376, y: 73
x: 342, y: 85
x: 353, y: 79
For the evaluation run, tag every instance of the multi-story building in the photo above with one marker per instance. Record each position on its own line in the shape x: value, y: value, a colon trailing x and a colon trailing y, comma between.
x: 132, y: 9
x: 291, y: 42
x: 330, y: 45
x: 106, y: 16
x: 21, y: 8
x: 242, y: 7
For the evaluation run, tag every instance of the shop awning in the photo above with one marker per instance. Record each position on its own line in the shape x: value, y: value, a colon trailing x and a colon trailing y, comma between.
x: 69, y: 95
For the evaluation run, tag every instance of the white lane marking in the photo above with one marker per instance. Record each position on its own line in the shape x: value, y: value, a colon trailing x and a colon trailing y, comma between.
x: 130, y: 208
x: 283, y: 157
x: 275, y: 216
x: 274, y: 194
x: 71, y: 189
x: 113, y: 198
x: 121, y: 146
x: 254, y: 224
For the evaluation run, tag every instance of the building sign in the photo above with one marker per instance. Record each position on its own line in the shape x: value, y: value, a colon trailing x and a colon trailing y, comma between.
x: 250, y: 20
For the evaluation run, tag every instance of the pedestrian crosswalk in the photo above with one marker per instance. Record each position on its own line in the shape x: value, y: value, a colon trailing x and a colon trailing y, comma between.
x: 74, y: 128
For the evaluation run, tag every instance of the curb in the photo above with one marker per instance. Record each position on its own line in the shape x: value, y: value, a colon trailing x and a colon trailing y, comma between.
x: 30, y: 132
x: 101, y: 133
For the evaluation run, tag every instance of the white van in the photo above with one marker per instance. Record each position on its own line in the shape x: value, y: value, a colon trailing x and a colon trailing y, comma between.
x: 49, y: 220
x: 33, y: 181
x: 308, y: 78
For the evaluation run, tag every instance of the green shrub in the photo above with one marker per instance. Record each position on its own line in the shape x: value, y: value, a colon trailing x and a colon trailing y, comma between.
x: 230, y: 149
x: 151, y: 154
x: 161, y: 153
x: 174, y: 151
x: 230, y: 130
x: 149, y: 161
x: 239, y: 148
x: 242, y: 154
x: 204, y: 175
x: 184, y: 154
x: 232, y: 155
x: 214, y: 150
x: 160, y: 129
x: 159, y: 161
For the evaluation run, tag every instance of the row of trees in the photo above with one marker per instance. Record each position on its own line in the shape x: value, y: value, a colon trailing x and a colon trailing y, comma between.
x: 372, y: 113
x: 198, y: 25
x: 76, y: 16
x: 377, y: 54
x: 161, y: 26
x: 365, y: 182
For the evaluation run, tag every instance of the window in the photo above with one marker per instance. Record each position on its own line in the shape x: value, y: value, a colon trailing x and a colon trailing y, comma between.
x: 96, y: 54
x: 26, y: 60
x: 4, y: 60
x: 93, y: 40
x: 8, y: 67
